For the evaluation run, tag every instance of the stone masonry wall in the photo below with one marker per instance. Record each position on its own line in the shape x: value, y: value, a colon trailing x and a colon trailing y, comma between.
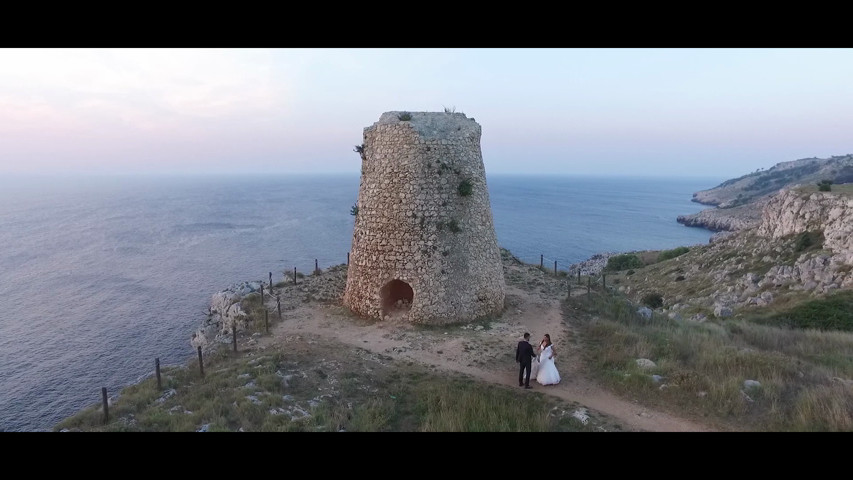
x: 414, y: 228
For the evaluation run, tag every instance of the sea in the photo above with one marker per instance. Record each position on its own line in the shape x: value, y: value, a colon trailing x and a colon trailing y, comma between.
x: 100, y: 276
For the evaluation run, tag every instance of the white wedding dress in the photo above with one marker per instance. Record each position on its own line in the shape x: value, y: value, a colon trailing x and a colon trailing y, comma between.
x: 534, y: 368
x: 547, y: 373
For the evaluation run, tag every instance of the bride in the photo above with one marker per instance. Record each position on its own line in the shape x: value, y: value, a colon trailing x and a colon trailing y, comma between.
x: 547, y: 373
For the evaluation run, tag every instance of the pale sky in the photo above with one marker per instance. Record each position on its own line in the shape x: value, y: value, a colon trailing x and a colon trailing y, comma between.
x: 673, y: 112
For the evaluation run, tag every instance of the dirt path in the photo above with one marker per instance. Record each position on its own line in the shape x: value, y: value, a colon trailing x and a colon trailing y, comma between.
x: 484, y: 353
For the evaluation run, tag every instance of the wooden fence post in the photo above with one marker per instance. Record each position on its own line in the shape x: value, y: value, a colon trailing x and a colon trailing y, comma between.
x: 270, y: 282
x: 200, y: 362
x: 316, y: 268
x: 157, y: 370
x: 541, y: 259
x: 234, y: 335
x: 604, y: 281
x: 347, y: 258
x: 294, y: 275
x: 262, y: 294
x: 106, y: 405
x: 278, y: 305
x: 555, y: 267
x: 579, y: 276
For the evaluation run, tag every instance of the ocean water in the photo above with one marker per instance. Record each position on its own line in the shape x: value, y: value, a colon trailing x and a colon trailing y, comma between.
x: 101, y: 275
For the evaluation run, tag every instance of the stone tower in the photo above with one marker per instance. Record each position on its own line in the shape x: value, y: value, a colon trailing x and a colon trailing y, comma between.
x: 424, y: 246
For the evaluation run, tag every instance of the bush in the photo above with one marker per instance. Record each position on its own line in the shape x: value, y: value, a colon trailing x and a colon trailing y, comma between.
x: 405, y: 116
x: 675, y: 252
x: 833, y: 312
x: 803, y: 242
x: 808, y: 240
x: 824, y: 185
x: 465, y: 188
x: 354, y: 210
x: 653, y: 300
x: 623, y: 262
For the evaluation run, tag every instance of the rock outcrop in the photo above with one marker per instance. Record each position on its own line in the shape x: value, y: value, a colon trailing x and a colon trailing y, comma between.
x: 725, y: 219
x: 803, y: 244
x: 739, y: 201
x: 793, y: 211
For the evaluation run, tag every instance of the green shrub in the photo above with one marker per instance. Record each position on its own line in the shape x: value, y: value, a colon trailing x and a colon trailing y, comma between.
x: 808, y: 241
x: 803, y: 242
x: 465, y: 188
x: 653, y: 300
x: 824, y: 185
x: 623, y: 262
x: 354, y: 210
x: 453, y: 225
x: 405, y: 116
x: 834, y: 312
x: 675, y: 252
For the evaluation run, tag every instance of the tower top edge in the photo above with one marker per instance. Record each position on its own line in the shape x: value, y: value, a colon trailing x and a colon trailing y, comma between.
x: 431, y: 124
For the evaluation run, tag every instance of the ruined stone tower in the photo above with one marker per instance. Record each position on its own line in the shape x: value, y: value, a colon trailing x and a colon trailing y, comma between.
x: 424, y: 246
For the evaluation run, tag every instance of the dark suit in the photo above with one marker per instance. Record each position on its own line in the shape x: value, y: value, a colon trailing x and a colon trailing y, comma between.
x: 524, y: 356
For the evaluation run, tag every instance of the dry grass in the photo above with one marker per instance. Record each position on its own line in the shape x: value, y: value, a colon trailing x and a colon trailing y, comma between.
x: 287, y: 389
x: 804, y: 376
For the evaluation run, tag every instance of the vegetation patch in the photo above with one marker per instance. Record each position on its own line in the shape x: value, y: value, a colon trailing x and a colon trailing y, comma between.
x: 811, y: 240
x: 834, y: 312
x: 623, y: 262
x: 675, y: 252
x: 653, y: 300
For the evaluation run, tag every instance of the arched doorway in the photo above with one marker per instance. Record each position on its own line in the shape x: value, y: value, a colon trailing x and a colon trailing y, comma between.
x: 396, y: 297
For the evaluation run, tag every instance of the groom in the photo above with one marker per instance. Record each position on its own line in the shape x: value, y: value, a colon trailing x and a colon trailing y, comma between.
x: 524, y: 355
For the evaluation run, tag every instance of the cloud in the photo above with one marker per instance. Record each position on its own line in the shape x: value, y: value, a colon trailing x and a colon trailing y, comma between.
x: 137, y: 88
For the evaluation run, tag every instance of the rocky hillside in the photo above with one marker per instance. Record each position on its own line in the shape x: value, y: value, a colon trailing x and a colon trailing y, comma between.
x: 740, y: 201
x: 802, y: 248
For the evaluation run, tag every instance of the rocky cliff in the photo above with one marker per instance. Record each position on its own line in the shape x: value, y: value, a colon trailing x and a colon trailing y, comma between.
x: 740, y: 201
x: 726, y: 219
x: 801, y: 247
x: 802, y: 210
